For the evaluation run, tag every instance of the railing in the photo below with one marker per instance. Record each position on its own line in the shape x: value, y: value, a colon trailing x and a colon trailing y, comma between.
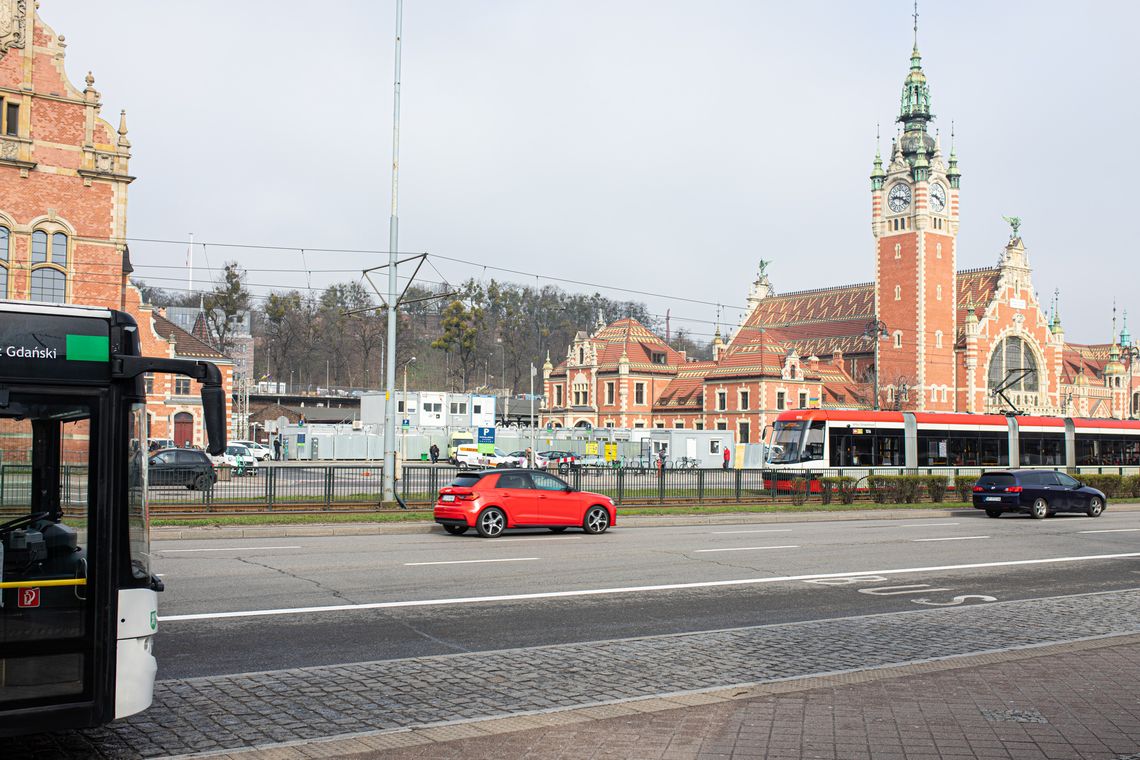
x: 314, y: 488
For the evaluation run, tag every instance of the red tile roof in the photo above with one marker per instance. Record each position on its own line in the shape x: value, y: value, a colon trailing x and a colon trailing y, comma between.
x: 185, y: 344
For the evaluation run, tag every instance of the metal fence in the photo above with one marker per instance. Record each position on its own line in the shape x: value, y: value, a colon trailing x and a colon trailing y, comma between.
x: 307, y: 488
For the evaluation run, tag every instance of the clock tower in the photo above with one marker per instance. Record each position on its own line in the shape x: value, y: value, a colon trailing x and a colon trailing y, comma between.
x: 914, y: 220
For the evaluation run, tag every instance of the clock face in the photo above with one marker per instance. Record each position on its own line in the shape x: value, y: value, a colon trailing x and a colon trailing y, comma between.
x: 899, y: 197
x: 937, y: 197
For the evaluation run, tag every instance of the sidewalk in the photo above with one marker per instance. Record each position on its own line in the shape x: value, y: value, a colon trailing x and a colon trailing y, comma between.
x: 1058, y: 702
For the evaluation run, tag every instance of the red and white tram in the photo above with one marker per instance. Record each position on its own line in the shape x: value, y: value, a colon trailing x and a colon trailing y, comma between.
x: 809, y: 439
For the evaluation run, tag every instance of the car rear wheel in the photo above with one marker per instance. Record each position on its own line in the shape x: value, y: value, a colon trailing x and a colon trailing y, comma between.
x: 597, y: 520
x: 558, y: 529
x: 491, y: 522
x: 202, y: 483
x: 1040, y: 509
x: 1096, y: 506
x: 993, y: 512
x: 455, y: 530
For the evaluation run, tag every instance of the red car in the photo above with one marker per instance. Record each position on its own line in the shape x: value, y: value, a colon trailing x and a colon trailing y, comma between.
x: 493, y: 500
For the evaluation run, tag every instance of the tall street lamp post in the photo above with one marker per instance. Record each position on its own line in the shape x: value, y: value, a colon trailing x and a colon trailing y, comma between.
x: 404, y: 430
x: 876, y: 330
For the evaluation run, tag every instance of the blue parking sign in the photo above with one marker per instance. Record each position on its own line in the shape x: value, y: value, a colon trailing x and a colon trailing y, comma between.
x: 486, y: 440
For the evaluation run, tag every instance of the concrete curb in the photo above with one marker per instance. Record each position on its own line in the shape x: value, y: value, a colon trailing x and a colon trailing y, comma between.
x: 632, y: 521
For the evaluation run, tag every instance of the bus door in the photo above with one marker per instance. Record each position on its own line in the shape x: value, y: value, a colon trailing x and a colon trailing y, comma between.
x: 48, y: 515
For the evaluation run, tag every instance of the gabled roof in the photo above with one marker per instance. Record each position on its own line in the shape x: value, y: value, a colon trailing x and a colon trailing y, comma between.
x: 185, y: 344
x: 634, y: 339
x: 1087, y: 360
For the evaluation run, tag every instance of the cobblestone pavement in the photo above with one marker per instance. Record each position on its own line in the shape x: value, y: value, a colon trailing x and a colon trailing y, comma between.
x: 254, y: 710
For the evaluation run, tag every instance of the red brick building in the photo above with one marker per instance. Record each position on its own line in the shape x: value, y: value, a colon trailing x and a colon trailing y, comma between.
x: 922, y: 335
x: 64, y: 174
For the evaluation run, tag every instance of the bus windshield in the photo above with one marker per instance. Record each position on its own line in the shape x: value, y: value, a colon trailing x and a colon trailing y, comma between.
x: 46, y: 509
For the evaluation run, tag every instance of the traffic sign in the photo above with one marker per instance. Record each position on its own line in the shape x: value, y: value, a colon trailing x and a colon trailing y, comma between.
x: 486, y: 440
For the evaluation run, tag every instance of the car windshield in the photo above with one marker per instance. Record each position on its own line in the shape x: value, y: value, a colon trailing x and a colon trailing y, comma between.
x: 240, y: 451
x: 1000, y: 479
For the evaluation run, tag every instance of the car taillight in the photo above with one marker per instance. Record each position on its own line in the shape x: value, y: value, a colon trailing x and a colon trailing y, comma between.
x: 1013, y: 489
x: 467, y: 496
x: 978, y: 489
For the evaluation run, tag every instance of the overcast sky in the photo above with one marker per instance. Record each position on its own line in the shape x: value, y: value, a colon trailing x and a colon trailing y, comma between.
x: 658, y: 145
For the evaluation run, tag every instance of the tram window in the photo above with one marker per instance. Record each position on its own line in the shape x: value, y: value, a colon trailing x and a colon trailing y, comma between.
x: 813, y: 443
x: 1093, y: 449
x: 953, y: 448
x: 1042, y: 449
x: 866, y: 447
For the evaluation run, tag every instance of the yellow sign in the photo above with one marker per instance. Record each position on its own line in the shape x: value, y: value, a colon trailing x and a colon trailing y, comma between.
x: 592, y: 447
x: 611, y: 452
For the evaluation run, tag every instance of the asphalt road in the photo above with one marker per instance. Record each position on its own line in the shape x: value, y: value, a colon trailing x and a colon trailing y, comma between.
x: 250, y: 605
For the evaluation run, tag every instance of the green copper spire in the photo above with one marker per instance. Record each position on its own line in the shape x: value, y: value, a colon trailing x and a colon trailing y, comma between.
x: 952, y: 172
x: 921, y: 167
x: 914, y: 106
x: 1125, y: 336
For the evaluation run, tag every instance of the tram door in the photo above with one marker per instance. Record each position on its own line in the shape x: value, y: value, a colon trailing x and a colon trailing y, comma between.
x: 47, y: 513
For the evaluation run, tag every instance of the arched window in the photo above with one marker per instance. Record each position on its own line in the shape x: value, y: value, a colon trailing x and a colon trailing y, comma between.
x: 1013, y: 354
x: 938, y: 339
x: 939, y: 292
x: 898, y: 338
x: 939, y: 250
x: 898, y: 250
x: 5, y: 237
x: 581, y: 355
x: 898, y: 292
x: 49, y: 267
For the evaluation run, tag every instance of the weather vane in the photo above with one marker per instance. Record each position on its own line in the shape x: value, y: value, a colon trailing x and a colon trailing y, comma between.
x: 763, y: 266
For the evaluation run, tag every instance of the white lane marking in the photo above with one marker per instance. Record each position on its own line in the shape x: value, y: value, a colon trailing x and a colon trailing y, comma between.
x: 227, y: 549
x: 470, y: 561
x: 1111, y: 530
x: 956, y: 600
x: 743, y: 549
x: 951, y: 538
x: 636, y: 589
x: 925, y: 525
x: 910, y: 588
x: 730, y: 532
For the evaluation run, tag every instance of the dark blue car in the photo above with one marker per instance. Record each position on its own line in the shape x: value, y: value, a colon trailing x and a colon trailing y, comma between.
x: 1038, y: 492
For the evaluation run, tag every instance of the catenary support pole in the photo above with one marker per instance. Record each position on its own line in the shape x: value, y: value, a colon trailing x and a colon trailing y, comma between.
x: 389, y: 494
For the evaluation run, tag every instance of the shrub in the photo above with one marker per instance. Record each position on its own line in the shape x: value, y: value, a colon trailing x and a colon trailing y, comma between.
x: 936, y: 486
x: 909, y: 488
x: 842, y: 486
x: 965, y: 488
x: 799, y: 491
x: 1130, y: 488
x: 883, y: 488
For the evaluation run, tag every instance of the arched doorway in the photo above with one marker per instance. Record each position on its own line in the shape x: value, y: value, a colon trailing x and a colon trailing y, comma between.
x: 183, y: 428
x: 583, y: 424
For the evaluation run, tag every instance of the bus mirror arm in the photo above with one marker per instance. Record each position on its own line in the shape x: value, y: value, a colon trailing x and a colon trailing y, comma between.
x: 206, y: 373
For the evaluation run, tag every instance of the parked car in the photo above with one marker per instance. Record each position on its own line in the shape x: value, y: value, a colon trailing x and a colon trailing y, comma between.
x: 182, y: 467
x: 592, y: 460
x: 259, y: 450
x: 492, y: 501
x: 555, y: 456
x: 454, y: 441
x: 1041, y: 493
x: 240, y: 458
x: 468, y: 455
x: 154, y: 444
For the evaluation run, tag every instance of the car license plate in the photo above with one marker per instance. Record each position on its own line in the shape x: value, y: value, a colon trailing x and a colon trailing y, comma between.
x: 448, y: 497
x: 993, y: 498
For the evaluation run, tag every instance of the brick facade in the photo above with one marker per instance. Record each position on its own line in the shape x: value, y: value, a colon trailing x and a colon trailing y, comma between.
x: 64, y: 176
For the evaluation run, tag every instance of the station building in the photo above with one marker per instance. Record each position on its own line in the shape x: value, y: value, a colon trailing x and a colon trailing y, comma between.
x: 922, y: 334
x: 64, y: 174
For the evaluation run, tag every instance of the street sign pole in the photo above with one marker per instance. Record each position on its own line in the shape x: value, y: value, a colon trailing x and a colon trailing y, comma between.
x: 533, y: 442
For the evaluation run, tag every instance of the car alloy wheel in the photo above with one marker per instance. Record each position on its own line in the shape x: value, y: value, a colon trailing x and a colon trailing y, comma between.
x: 596, y: 521
x: 1040, y: 509
x: 1096, y: 506
x: 455, y: 530
x: 491, y: 522
x: 993, y: 512
x: 202, y: 482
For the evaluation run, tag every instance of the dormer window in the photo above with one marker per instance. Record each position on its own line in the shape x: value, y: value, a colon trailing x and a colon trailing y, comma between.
x: 657, y: 357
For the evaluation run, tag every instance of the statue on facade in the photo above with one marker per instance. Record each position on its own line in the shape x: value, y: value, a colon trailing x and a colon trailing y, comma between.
x: 1014, y: 225
x: 763, y: 267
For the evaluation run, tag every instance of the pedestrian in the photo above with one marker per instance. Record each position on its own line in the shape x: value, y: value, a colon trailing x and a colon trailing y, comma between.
x: 434, y: 451
x: 727, y: 456
x: 277, y: 449
x: 529, y: 457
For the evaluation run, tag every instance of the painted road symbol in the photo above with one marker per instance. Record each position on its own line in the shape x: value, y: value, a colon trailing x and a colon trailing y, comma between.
x: 28, y: 597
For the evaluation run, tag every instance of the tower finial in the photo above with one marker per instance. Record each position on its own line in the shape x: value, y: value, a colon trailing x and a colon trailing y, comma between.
x: 916, y: 24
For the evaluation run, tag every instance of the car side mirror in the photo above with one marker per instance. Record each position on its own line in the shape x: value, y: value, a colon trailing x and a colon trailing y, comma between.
x: 567, y: 489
